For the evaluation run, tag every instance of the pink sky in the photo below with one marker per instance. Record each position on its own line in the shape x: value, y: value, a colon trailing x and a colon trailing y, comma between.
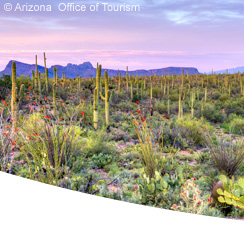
x: 164, y: 33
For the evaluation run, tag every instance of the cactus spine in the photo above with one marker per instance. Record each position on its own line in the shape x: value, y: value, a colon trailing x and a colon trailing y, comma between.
x: 14, y: 104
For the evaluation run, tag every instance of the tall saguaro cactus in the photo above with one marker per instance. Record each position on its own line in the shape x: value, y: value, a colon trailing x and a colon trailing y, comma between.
x: 39, y: 85
x: 46, y: 72
x: 54, y: 100
x: 14, y: 104
x: 106, y: 98
x: 33, y: 79
x: 182, y: 83
x: 36, y: 74
x: 127, y: 79
x: 96, y: 97
x: 151, y: 101
x: 54, y: 74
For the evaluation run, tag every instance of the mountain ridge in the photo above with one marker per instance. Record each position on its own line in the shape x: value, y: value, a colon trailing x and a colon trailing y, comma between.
x: 86, y: 70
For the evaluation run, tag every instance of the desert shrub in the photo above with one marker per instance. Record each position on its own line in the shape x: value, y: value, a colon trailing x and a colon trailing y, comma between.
x: 97, y: 142
x: 226, y: 153
x: 191, y: 129
x: 234, y: 106
x: 235, y: 126
x: 211, y: 113
x: 161, y: 107
x: 156, y: 92
x: 174, y: 97
x: 224, y: 97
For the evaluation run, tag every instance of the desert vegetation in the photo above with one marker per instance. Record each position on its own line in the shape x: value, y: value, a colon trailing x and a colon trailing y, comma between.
x: 173, y: 142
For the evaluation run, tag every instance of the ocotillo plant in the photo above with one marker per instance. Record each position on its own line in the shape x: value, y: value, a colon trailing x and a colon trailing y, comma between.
x: 14, y: 104
x: 107, y: 97
x: 54, y: 100
x: 46, y: 72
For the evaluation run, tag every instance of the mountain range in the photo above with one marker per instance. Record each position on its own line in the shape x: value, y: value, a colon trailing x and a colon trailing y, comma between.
x: 230, y: 71
x: 86, y: 70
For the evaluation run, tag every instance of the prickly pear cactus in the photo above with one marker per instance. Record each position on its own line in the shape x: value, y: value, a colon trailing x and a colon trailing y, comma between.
x: 232, y: 192
x: 152, y: 191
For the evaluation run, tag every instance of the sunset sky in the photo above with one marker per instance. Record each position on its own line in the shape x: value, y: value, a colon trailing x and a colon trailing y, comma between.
x: 204, y: 34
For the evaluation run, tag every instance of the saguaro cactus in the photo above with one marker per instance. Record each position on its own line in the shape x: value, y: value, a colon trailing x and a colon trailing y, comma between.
x: 39, y: 85
x: 151, y: 102
x: 193, y: 97
x: 54, y: 74
x: 79, y: 86
x: 182, y: 83
x: 54, y: 100
x: 106, y: 98
x: 33, y: 78
x: 36, y: 74
x: 127, y: 79
x: 179, y: 112
x: 96, y: 97
x: 95, y: 109
x: 119, y: 82
x: 131, y: 90
x: 46, y: 72
x: 14, y: 104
